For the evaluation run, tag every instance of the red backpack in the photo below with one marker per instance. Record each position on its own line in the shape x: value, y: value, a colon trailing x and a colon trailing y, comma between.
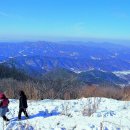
x: 3, y: 100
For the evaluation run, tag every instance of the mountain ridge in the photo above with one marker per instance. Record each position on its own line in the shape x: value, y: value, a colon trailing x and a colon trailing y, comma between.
x: 43, y: 56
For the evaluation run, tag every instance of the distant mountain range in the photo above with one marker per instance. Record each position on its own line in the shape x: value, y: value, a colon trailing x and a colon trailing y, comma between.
x: 38, y: 58
x: 89, y: 77
x: 63, y: 76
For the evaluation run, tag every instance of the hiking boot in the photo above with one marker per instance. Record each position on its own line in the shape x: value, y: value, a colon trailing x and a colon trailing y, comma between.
x: 5, y: 118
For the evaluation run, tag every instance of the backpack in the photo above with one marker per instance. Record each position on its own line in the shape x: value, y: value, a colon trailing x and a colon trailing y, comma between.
x: 1, y: 99
x: 1, y: 102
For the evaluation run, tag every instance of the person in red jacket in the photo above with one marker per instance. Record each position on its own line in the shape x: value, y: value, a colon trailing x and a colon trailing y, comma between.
x: 4, y: 101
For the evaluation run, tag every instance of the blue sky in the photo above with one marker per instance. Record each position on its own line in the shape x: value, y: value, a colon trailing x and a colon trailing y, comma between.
x: 62, y: 19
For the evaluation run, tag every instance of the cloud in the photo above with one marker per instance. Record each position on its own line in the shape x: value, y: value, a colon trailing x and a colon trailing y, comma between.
x: 79, y: 28
x: 4, y: 14
x: 121, y: 15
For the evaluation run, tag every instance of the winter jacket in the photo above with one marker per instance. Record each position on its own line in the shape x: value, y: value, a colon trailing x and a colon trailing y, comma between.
x: 23, y: 101
x: 3, y: 104
x: 4, y: 101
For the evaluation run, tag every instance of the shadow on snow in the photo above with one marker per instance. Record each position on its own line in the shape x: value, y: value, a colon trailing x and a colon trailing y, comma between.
x: 43, y: 114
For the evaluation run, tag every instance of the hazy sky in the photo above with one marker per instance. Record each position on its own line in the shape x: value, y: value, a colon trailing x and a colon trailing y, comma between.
x: 39, y: 19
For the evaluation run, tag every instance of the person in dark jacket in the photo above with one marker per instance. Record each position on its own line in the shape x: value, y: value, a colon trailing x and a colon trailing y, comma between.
x: 22, y: 105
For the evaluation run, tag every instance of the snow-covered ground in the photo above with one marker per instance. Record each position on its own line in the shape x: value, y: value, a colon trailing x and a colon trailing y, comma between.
x: 80, y: 114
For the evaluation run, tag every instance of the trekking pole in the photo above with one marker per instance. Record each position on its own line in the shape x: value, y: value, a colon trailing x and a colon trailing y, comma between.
x: 3, y: 124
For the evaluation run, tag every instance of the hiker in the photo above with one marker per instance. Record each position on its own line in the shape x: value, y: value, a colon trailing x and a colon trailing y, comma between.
x: 22, y: 105
x: 4, y: 101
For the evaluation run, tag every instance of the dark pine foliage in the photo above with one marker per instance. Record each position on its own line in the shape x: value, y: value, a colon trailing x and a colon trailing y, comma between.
x: 7, y: 72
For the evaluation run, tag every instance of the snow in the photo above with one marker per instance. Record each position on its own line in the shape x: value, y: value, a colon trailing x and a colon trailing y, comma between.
x: 30, y: 62
x: 21, y: 51
x: 95, y: 58
x: 79, y: 114
x: 74, y: 54
x: 115, y: 55
x: 11, y: 57
x: 24, y: 55
x: 75, y: 70
x: 122, y: 72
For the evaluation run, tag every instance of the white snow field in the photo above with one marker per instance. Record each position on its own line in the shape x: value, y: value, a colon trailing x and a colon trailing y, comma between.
x: 80, y: 114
